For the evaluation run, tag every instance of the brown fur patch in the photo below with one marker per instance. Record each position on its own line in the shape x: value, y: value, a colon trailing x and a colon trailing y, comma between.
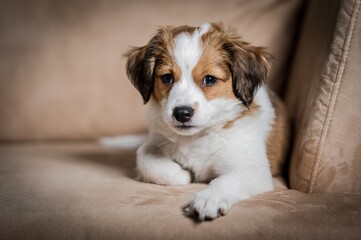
x: 161, y: 90
x: 240, y: 67
x: 143, y: 61
x: 279, y: 138
x: 212, y: 63
x: 248, y: 112
x: 184, y: 28
x: 249, y: 65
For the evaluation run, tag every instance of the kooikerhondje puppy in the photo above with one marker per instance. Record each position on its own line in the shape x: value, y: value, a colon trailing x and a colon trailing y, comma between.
x: 210, y: 116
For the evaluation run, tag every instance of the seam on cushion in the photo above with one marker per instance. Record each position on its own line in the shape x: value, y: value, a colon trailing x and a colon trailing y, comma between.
x: 326, y: 76
x: 334, y: 93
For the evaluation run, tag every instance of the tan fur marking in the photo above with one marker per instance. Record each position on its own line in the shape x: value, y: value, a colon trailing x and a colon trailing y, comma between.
x: 161, y: 90
x: 164, y: 63
x: 213, y: 62
x: 180, y: 29
x: 229, y: 124
x: 279, y: 138
x: 248, y: 112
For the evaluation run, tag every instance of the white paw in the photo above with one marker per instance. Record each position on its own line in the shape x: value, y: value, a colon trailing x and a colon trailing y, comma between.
x: 171, y: 175
x: 180, y: 177
x: 207, y: 205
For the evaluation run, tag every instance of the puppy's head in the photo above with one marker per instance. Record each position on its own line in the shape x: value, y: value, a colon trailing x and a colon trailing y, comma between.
x: 199, y: 77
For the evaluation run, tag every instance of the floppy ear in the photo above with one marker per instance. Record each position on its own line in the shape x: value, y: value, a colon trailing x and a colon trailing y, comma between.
x: 140, y: 68
x: 249, y: 67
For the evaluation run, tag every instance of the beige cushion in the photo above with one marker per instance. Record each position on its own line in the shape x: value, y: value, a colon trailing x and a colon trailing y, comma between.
x: 325, y: 100
x: 62, y: 73
x: 84, y: 191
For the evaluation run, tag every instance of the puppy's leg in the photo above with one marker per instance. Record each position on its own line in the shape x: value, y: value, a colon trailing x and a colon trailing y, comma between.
x: 156, y: 167
x: 225, y: 191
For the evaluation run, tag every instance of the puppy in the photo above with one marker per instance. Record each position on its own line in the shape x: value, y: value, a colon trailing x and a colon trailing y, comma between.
x: 210, y: 116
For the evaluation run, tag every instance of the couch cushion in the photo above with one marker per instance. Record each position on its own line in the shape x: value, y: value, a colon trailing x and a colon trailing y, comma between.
x: 324, y: 98
x: 61, y: 67
x: 85, y: 191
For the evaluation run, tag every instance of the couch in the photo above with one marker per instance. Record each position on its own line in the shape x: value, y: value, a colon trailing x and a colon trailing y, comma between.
x: 63, y: 87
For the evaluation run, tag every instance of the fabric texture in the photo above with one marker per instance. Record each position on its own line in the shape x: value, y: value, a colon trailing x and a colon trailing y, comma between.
x: 62, y: 74
x: 85, y: 191
x: 324, y: 99
x: 62, y: 77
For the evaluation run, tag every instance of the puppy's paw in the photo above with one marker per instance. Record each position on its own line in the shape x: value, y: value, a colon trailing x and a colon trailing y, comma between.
x: 171, y: 175
x: 207, y: 205
x: 180, y: 177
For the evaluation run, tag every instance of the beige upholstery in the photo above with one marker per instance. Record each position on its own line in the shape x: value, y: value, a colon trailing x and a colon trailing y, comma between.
x: 62, y: 74
x: 83, y: 191
x: 62, y: 77
x: 324, y: 98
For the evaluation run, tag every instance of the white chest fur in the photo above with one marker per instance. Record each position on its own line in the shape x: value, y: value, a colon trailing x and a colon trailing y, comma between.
x: 233, y: 159
x: 217, y: 150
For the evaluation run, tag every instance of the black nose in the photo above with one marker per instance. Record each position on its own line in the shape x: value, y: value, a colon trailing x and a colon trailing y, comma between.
x: 183, y: 113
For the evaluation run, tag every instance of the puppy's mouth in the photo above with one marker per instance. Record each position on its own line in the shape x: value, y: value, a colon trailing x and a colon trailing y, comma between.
x: 184, y: 127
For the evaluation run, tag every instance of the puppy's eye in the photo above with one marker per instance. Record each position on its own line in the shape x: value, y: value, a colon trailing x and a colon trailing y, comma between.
x: 167, y: 79
x: 209, y: 80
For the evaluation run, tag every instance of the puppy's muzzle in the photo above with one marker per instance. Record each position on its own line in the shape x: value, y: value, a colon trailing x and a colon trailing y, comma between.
x: 183, y: 113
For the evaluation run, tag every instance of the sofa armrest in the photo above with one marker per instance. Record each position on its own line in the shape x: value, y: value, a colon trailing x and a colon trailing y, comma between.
x: 324, y: 98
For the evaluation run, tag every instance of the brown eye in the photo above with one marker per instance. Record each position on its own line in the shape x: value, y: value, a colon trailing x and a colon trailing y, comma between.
x: 209, y: 80
x: 167, y: 79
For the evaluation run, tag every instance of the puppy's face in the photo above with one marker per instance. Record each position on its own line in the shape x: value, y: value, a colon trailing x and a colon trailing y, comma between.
x: 200, y: 77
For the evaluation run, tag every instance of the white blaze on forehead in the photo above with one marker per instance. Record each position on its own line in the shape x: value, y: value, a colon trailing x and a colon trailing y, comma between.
x: 204, y: 28
x: 187, y: 52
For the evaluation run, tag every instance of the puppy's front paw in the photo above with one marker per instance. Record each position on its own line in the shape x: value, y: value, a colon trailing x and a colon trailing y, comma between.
x: 207, y: 205
x: 180, y: 177
x: 171, y: 174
